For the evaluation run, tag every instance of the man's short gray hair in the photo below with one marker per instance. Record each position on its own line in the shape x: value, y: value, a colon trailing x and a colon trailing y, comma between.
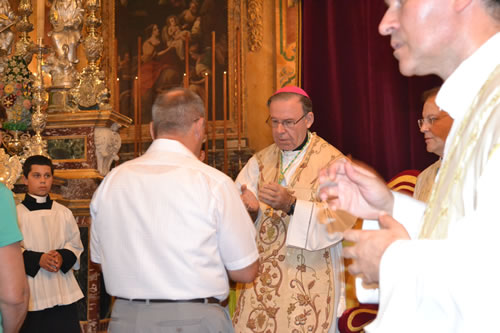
x: 175, y: 110
x: 493, y: 7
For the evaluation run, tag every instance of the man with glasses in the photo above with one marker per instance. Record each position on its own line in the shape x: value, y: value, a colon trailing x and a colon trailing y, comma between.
x: 435, y: 125
x: 299, y: 286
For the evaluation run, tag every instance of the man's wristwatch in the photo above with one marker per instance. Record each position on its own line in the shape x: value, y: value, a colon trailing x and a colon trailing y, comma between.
x: 292, y: 207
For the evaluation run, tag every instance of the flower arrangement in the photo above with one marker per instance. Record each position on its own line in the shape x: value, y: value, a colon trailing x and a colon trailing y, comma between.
x: 16, y: 87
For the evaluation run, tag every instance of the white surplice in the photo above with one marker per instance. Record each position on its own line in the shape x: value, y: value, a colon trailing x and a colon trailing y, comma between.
x: 447, y: 280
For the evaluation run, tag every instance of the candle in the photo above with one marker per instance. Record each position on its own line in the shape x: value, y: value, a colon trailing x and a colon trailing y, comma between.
x: 238, y: 87
x: 117, y: 95
x: 213, y: 94
x: 186, y: 59
x: 139, y: 99
x: 206, y: 117
x: 185, y: 81
x: 224, y: 107
x: 116, y: 62
x: 40, y: 19
x: 136, y: 117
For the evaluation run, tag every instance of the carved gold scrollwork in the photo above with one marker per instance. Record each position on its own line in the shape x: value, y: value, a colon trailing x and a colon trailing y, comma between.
x: 255, y: 24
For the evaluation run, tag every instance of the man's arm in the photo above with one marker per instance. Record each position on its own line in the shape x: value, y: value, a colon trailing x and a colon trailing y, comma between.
x: 236, y: 235
x: 14, y: 289
x: 245, y: 275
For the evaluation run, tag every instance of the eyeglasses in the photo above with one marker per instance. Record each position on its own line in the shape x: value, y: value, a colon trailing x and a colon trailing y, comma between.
x: 285, y: 123
x: 429, y: 120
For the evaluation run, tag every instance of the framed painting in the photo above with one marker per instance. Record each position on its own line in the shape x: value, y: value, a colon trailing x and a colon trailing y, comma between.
x: 67, y: 148
x: 161, y: 44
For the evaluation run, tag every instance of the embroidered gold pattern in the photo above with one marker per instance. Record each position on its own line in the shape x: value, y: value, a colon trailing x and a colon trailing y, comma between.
x: 305, y: 278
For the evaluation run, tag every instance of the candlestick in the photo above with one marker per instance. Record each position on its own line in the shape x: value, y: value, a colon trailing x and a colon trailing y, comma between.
x: 224, y: 107
x: 40, y: 19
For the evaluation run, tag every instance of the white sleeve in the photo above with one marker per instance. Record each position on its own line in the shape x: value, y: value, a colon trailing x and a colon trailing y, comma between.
x: 73, y: 241
x: 408, y: 212
x: 95, y: 248
x: 236, y: 232
x: 450, y: 283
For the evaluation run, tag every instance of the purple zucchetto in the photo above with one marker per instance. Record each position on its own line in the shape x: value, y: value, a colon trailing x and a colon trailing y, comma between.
x: 292, y: 89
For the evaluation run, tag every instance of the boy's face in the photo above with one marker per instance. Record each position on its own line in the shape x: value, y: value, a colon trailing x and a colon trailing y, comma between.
x: 39, y: 180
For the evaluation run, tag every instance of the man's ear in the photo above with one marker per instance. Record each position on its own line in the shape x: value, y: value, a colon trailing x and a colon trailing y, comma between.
x: 25, y: 181
x: 151, y: 132
x: 200, y: 127
x: 309, y: 119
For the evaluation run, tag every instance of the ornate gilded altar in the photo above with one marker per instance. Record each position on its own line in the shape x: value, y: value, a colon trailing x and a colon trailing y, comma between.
x: 70, y: 104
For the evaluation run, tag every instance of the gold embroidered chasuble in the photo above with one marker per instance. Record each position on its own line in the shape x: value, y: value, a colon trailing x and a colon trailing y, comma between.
x: 476, y: 140
x: 294, y: 291
x: 425, y: 182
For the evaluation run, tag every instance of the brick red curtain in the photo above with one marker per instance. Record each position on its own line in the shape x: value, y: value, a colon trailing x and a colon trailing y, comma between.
x: 362, y: 104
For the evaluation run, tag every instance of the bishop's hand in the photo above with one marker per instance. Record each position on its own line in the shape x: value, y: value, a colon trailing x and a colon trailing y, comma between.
x: 276, y: 196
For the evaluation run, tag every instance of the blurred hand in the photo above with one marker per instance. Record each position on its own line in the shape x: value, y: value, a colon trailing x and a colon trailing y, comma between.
x: 250, y: 201
x: 354, y: 189
x: 276, y: 196
x: 370, y: 245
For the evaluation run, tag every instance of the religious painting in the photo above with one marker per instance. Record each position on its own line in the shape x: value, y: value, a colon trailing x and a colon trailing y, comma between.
x: 160, y: 41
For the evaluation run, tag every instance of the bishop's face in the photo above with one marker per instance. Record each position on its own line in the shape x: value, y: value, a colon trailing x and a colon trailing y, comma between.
x: 285, y: 110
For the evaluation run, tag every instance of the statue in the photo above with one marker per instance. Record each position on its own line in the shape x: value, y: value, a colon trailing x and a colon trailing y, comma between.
x: 107, y: 145
x: 7, y: 20
x: 66, y: 17
x: 61, y: 69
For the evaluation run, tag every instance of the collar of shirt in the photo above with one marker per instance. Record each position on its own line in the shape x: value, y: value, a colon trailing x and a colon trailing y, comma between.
x: 293, y: 158
x: 459, y: 90
x: 160, y: 145
x: 33, y: 202
x: 288, y: 155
